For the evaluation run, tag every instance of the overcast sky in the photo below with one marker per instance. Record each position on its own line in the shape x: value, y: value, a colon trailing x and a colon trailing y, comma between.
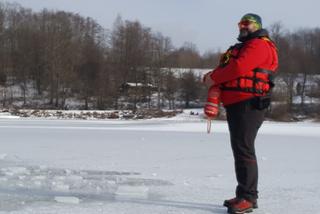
x: 210, y: 24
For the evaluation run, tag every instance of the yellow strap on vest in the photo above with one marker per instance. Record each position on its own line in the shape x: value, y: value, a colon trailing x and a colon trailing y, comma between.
x: 266, y: 38
x: 225, y: 58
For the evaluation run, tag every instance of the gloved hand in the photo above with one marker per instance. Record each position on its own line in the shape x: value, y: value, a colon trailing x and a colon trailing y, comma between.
x: 207, y: 80
x: 211, y: 110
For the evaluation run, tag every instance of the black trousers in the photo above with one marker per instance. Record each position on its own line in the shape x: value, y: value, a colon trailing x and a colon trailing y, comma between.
x: 244, y: 121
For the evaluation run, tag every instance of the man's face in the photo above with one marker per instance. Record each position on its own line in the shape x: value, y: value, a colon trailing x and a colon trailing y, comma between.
x: 246, y: 27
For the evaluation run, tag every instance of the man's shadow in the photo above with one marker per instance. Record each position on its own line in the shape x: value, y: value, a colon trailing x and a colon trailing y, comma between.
x: 177, y: 204
x: 217, y: 209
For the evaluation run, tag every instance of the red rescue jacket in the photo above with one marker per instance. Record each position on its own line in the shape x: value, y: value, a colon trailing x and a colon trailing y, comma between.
x: 238, y: 78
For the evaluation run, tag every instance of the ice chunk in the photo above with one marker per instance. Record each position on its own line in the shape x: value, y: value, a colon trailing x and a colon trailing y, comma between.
x: 67, y: 199
x: 39, y: 177
x: 59, y: 186
x: 22, y: 177
x: 15, y: 171
x: 132, y: 191
x: 74, y: 178
x: 59, y: 178
x: 186, y: 183
x: 3, y: 156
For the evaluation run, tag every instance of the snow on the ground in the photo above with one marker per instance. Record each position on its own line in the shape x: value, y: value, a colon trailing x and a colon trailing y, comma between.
x: 7, y: 115
x: 150, y: 166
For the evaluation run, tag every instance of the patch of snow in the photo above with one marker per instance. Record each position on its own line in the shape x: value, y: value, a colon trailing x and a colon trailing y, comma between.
x: 7, y: 115
x: 67, y: 200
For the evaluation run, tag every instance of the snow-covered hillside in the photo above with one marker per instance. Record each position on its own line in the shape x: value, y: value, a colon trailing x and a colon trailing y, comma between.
x: 150, y: 166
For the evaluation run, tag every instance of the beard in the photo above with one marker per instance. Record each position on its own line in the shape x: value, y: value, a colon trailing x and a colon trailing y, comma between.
x: 243, y: 34
x: 247, y: 34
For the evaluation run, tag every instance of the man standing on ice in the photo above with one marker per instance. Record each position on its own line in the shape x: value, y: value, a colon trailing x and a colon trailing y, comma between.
x: 244, y: 77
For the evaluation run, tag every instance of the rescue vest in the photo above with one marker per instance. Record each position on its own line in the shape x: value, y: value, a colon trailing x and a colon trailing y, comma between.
x: 258, y: 82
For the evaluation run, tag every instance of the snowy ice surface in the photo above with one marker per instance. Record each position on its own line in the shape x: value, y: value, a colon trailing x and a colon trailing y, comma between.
x: 150, y: 166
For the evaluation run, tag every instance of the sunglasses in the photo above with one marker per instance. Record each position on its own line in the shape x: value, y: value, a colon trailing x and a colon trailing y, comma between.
x: 244, y: 23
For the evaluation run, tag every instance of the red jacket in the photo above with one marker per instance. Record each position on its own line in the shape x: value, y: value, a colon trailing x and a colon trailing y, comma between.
x: 255, y: 53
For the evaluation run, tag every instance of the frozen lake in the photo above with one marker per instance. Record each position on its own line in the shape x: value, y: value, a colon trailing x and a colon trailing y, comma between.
x: 150, y: 166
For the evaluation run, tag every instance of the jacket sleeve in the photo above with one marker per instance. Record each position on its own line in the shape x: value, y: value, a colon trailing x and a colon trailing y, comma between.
x: 253, y: 54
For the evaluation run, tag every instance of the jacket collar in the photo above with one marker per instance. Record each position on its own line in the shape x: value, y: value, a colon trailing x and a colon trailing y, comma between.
x: 259, y: 33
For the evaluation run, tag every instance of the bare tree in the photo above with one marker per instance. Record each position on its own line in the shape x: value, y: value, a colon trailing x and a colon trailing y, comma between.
x: 189, y: 87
